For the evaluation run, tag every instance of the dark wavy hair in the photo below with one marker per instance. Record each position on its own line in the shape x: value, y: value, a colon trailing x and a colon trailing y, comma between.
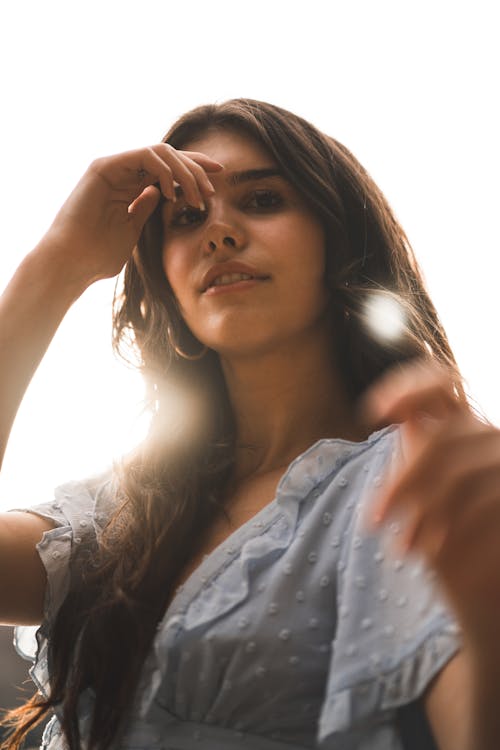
x: 172, y: 487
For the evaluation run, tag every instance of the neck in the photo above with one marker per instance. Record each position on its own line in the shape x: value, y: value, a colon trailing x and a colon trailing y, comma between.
x: 284, y: 400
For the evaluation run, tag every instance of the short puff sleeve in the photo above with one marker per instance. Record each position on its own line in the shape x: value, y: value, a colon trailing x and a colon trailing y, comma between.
x: 80, y: 511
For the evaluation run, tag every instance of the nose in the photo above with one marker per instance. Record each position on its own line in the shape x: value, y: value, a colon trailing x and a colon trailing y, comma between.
x: 222, y: 233
x: 228, y: 241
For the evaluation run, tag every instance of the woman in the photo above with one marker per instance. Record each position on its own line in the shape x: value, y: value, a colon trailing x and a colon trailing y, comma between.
x: 231, y: 582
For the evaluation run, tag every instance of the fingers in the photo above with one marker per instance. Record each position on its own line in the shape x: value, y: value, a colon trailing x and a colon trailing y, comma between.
x: 445, y: 450
x: 421, y: 468
x: 439, y: 486
x: 444, y: 488
x: 130, y: 173
x: 190, y: 175
x: 421, y: 397
x: 414, y: 390
x: 447, y: 531
x: 189, y: 170
x: 143, y: 206
x: 448, y: 497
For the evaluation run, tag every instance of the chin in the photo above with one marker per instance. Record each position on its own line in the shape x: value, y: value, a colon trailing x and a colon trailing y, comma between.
x: 243, y: 346
x: 237, y: 336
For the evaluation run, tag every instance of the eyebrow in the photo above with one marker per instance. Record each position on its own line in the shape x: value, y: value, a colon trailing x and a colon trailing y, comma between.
x: 247, y: 175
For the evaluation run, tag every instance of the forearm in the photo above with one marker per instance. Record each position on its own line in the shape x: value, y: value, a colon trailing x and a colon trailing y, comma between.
x: 31, y: 309
x: 485, y: 690
x: 91, y: 238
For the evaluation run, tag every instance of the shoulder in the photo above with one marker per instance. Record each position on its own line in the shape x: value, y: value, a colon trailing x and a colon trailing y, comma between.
x: 80, y: 503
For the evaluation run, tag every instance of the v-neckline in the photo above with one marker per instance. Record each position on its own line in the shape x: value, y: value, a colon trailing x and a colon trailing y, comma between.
x: 225, y: 552
x: 220, y: 556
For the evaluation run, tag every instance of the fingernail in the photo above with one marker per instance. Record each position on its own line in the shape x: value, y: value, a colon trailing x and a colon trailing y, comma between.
x: 202, y: 206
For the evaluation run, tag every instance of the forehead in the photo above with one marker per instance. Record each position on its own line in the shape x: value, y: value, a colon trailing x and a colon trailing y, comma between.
x: 236, y: 151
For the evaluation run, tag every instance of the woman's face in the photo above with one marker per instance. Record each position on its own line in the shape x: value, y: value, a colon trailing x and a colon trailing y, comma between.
x: 248, y: 273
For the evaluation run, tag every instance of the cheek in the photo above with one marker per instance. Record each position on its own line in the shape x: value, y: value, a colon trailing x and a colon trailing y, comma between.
x: 300, y: 232
x: 310, y: 246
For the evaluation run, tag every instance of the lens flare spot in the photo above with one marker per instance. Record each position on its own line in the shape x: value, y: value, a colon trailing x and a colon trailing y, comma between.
x: 385, y: 317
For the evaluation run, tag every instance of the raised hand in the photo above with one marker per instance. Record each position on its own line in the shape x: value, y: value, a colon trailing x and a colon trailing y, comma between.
x: 446, y: 488
x: 91, y: 238
x: 98, y: 226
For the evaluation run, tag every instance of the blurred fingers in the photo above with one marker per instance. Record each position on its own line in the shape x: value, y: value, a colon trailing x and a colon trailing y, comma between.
x: 417, y: 390
x: 456, y: 468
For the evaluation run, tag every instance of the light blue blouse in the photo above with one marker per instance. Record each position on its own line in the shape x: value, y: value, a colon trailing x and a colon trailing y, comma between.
x: 301, y: 630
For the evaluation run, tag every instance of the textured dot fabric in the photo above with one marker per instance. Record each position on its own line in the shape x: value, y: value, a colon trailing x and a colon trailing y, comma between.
x: 301, y: 630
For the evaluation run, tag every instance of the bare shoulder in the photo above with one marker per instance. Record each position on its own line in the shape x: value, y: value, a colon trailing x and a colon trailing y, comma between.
x: 447, y: 704
x: 22, y: 575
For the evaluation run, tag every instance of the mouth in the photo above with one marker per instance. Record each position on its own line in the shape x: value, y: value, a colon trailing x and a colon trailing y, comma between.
x: 233, y: 282
x: 232, y: 276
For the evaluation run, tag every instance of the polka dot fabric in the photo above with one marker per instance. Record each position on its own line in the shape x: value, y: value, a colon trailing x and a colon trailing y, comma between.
x: 301, y: 630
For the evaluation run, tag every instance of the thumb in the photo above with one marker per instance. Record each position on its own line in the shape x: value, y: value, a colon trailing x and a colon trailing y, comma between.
x: 141, y: 209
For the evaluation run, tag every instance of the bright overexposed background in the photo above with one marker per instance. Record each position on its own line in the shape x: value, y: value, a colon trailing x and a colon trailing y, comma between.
x: 410, y: 88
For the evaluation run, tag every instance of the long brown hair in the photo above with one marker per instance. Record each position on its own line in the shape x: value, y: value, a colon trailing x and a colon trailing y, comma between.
x: 171, y: 488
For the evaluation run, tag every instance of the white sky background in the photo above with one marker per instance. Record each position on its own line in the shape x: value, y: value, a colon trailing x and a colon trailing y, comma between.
x: 410, y: 88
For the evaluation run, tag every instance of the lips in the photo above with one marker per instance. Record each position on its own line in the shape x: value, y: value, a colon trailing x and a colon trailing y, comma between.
x: 231, y: 278
x: 230, y: 273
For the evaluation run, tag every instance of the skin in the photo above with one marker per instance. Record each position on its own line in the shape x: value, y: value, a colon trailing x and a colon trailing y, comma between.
x: 273, y: 231
x: 283, y: 386
x: 273, y: 336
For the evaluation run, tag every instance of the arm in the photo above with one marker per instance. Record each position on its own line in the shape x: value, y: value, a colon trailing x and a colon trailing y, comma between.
x: 447, y: 703
x: 91, y: 238
x: 462, y: 704
x: 22, y: 578
x: 447, y: 492
x: 31, y: 309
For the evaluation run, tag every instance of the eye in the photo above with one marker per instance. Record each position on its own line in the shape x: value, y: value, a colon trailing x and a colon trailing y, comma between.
x: 265, y: 199
x: 187, y: 216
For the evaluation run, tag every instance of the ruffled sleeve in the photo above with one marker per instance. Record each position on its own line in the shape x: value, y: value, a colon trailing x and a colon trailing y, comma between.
x: 79, y: 511
x: 394, y: 634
